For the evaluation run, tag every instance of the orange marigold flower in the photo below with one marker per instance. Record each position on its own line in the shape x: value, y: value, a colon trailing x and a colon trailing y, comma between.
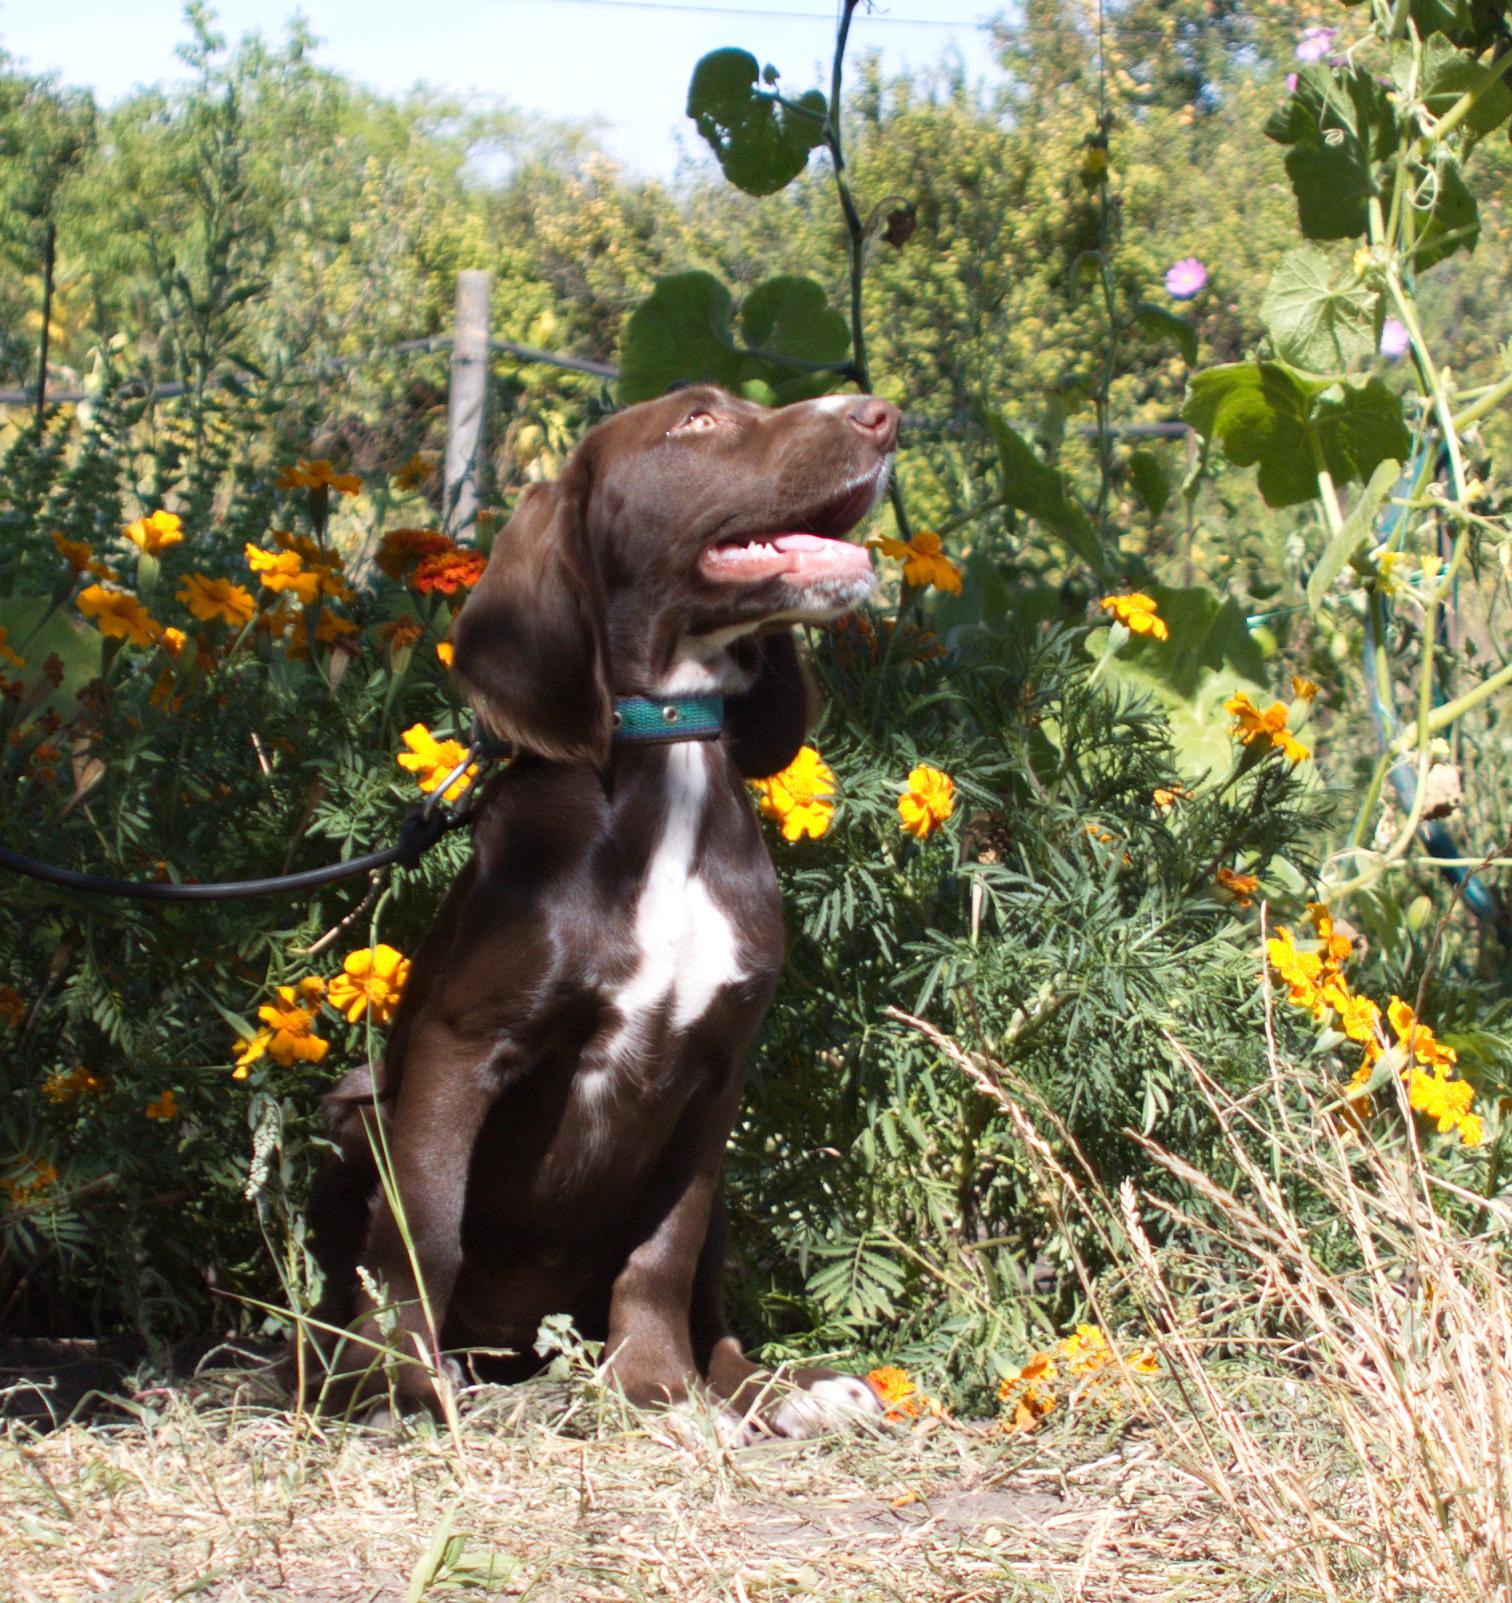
x: 76, y: 553
x: 898, y: 1393
x: 402, y: 549
x: 1136, y: 612
x: 117, y: 614
x: 447, y: 652
x: 401, y: 634
x: 78, y: 1082
x: 164, y: 1106
x: 150, y: 535
x: 316, y: 473
x: 924, y: 561
x: 209, y: 598
x: 1241, y: 887
x: 1303, y: 689
x: 1165, y: 797
x: 1250, y: 725
x: 928, y: 801
x: 371, y: 981
x: 449, y: 571
x: 283, y: 570
x: 29, y: 1177
x: 290, y: 1020
x: 431, y: 760
x: 798, y: 798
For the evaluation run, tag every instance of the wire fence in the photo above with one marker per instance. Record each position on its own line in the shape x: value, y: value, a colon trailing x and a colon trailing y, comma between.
x: 534, y: 355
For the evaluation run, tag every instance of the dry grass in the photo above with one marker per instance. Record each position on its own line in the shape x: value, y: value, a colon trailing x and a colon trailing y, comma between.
x: 556, y: 1493
x: 1384, y: 1469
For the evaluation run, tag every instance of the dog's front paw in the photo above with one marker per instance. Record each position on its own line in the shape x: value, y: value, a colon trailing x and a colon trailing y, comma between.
x: 823, y: 1404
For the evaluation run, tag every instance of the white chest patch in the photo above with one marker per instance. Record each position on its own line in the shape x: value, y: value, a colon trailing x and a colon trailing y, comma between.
x: 687, y: 948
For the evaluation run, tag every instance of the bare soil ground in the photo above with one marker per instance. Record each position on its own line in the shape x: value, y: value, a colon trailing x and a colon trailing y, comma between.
x: 552, y: 1491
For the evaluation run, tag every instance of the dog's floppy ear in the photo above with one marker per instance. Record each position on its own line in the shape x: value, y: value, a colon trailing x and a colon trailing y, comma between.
x: 767, y: 723
x: 531, y: 641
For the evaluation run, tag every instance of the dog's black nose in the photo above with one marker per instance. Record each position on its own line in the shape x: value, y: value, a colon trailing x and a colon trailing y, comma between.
x: 876, y: 418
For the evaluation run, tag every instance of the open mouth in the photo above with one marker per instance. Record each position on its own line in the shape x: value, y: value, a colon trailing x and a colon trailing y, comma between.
x: 817, y: 550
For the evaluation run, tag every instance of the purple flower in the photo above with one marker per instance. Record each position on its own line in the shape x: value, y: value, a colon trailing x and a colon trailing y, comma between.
x: 1185, y: 278
x: 1291, y: 83
x: 1394, y: 339
x: 1316, y: 43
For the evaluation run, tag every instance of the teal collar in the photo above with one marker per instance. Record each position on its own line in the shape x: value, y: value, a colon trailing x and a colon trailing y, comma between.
x: 638, y: 721
x: 647, y: 720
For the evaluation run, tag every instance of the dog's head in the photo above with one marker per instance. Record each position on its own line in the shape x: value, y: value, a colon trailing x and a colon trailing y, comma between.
x: 677, y: 528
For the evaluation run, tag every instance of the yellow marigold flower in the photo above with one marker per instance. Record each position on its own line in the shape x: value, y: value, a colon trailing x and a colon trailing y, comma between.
x: 117, y: 614
x: 291, y: 1019
x: 1137, y: 613
x: 1241, y: 887
x: 431, y: 760
x: 1027, y: 1390
x: 1360, y: 1019
x: 172, y: 640
x: 1086, y: 1350
x: 76, y: 553
x: 1250, y: 725
x: 1303, y: 689
x: 1165, y: 797
x: 1445, y: 1100
x: 317, y: 473
x: 1145, y: 1363
x: 78, y: 1082
x: 249, y: 1048
x: 798, y: 798
x: 1425, y: 1049
x: 150, y: 535
x: 447, y: 652
x: 924, y: 561
x: 283, y: 570
x: 164, y: 1106
x: 12, y: 1004
x: 1300, y: 971
x: 1472, y: 1130
x: 322, y: 562
x: 371, y: 981
x: 897, y: 1392
x: 6, y: 654
x: 928, y: 801
x: 209, y: 598
x: 29, y: 1178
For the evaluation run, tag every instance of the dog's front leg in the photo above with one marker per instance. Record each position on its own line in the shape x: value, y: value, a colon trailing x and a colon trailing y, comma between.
x: 415, y: 1246
x: 650, y: 1346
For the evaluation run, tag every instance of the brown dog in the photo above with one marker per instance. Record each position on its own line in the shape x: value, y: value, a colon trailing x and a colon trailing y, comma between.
x: 565, y: 1069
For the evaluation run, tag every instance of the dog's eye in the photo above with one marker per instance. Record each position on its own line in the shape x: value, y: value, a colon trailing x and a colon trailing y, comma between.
x: 694, y: 423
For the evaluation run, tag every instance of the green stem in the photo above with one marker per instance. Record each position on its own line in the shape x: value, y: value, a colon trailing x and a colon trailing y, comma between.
x: 1466, y: 103
x: 1488, y: 402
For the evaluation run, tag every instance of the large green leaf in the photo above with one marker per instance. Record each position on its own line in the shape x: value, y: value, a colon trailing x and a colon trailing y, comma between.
x: 1319, y: 319
x: 1339, y: 124
x: 1043, y: 493
x: 792, y: 316
x: 1266, y: 415
x: 1448, y: 74
x: 761, y: 144
x: 1447, y: 216
x: 681, y: 333
x: 1208, y: 657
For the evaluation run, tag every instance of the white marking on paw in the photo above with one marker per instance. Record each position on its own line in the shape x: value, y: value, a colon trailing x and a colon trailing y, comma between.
x: 827, y: 1405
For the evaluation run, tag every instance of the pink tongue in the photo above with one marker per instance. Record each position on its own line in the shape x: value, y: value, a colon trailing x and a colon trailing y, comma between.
x: 791, y: 555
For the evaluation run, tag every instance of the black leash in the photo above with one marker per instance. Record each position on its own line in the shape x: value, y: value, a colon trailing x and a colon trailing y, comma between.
x: 417, y: 834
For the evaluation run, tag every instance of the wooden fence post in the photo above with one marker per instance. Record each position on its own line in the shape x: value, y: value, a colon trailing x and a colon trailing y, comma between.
x: 467, y: 403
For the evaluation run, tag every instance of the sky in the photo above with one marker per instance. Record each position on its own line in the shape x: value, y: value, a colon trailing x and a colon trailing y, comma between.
x: 625, y: 63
